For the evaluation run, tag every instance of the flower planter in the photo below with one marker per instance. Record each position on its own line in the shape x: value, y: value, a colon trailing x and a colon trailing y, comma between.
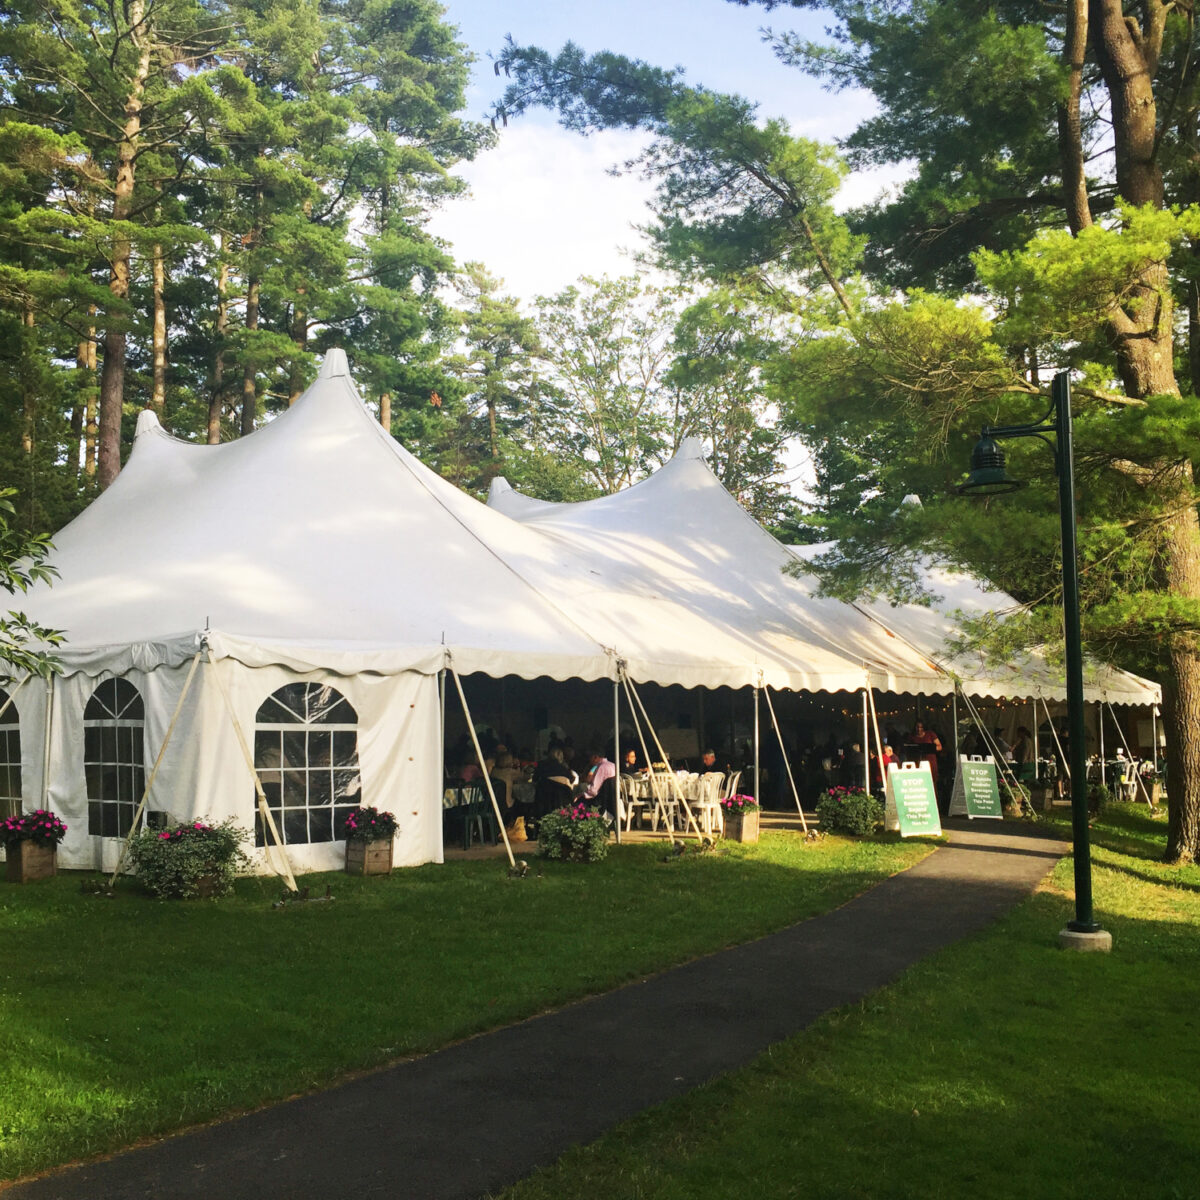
x: 368, y: 858
x: 742, y: 827
x: 28, y: 861
x: 1042, y: 798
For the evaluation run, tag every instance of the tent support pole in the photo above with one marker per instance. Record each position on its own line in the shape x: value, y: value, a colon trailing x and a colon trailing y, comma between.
x: 870, y: 694
x: 264, y: 809
x: 141, y: 808
x: 617, y: 758
x: 487, y: 775
x: 787, y: 765
x: 1054, y: 733
x: 13, y: 695
x: 866, y: 746
x: 1100, y: 723
x: 1154, y: 735
x: 46, y: 742
x: 1036, y: 755
x: 758, y: 756
x: 659, y: 810
x: 1003, y: 767
x: 687, y: 808
x: 954, y: 718
x: 1137, y: 775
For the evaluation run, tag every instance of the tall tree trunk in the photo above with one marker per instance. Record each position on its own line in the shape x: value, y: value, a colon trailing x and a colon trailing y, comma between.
x: 249, y: 374
x: 300, y: 337
x: 1140, y: 329
x: 112, y: 377
x: 216, y: 397
x: 90, y: 425
x: 385, y: 411
x: 29, y: 396
x: 158, y: 392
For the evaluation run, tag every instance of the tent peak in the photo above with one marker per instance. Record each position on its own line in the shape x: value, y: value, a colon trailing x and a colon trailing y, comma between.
x: 498, y: 487
x: 147, y: 422
x: 333, y: 364
x: 692, y: 447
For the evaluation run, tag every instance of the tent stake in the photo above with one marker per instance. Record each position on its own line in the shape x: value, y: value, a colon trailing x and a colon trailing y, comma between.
x: 487, y: 775
x: 787, y: 765
x: 141, y: 808
x: 264, y: 808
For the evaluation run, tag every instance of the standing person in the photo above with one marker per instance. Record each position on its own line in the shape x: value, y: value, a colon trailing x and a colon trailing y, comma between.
x: 932, y: 747
x: 1022, y: 748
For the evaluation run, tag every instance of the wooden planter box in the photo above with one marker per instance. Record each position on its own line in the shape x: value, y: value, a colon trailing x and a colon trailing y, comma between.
x: 1042, y: 798
x: 369, y: 858
x: 28, y: 861
x: 742, y: 827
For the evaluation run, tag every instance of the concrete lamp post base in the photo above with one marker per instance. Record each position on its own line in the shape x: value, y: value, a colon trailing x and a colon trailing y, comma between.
x: 1099, y: 940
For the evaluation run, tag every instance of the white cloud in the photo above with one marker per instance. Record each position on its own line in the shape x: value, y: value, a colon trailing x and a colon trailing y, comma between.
x: 542, y: 211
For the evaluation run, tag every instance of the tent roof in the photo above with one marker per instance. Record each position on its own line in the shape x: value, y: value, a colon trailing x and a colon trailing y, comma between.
x: 714, y: 579
x: 316, y: 541
x: 931, y: 628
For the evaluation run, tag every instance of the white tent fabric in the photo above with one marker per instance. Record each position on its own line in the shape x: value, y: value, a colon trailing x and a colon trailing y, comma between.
x: 715, y: 585
x: 931, y: 628
x: 681, y: 525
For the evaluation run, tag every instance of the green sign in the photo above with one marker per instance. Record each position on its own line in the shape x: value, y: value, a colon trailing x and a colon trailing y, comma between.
x: 911, y: 801
x: 976, y: 793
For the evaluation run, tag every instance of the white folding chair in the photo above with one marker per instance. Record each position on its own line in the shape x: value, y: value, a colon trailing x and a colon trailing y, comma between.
x: 708, y: 803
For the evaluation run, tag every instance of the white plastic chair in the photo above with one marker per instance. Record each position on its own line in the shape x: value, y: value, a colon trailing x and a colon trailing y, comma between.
x: 731, y: 785
x: 630, y: 803
x: 707, y: 805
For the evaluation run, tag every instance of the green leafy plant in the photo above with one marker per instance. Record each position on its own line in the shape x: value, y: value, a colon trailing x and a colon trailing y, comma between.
x: 368, y: 825
x: 1099, y: 797
x: 40, y: 826
x: 576, y: 834
x: 1015, y: 796
x: 849, y: 810
x: 189, y: 859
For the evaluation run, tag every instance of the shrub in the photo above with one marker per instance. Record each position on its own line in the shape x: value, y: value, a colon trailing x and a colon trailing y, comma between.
x: 577, y: 834
x: 850, y: 811
x: 189, y: 859
x: 40, y: 826
x: 1016, y: 797
x: 1099, y: 798
x: 368, y: 825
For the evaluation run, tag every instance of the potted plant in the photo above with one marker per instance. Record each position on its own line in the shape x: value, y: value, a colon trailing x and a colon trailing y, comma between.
x: 31, y: 845
x: 191, y: 859
x: 369, y: 836
x: 1042, y: 792
x: 740, y: 814
x: 576, y: 833
x: 849, y: 810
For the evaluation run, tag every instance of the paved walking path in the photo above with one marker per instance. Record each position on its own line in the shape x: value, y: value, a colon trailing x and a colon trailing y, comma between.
x: 480, y: 1115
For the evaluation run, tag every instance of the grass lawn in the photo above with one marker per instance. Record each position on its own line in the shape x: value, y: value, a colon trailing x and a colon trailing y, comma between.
x: 1000, y: 1067
x: 127, y: 1017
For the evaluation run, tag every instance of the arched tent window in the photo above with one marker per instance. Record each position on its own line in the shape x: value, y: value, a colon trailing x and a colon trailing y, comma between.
x: 113, y: 767
x: 10, y: 758
x: 306, y: 755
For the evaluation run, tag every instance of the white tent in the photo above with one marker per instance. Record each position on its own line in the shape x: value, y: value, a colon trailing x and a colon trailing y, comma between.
x: 679, y: 571
x: 680, y: 532
x: 315, y: 551
x: 933, y: 627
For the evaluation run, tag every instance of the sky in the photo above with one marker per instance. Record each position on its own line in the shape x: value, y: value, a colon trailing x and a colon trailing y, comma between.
x: 542, y: 208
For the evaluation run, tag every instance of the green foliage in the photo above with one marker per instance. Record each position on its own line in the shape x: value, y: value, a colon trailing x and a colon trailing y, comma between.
x: 849, y: 811
x: 1099, y: 797
x: 576, y: 834
x: 183, y: 860
x: 25, y: 646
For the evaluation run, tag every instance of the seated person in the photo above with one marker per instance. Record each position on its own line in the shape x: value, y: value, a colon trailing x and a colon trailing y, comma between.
x: 631, y: 762
x: 554, y: 782
x: 599, y: 770
x: 708, y: 762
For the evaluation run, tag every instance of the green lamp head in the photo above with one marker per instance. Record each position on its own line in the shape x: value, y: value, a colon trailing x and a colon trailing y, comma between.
x: 988, y: 475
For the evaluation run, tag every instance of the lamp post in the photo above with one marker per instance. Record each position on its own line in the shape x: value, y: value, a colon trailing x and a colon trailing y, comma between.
x: 989, y: 477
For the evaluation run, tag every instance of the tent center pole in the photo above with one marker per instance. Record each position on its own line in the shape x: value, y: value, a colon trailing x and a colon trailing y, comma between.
x: 757, y: 755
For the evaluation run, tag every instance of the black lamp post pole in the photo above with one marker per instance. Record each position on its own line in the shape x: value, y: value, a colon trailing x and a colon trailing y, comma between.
x: 1064, y: 461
